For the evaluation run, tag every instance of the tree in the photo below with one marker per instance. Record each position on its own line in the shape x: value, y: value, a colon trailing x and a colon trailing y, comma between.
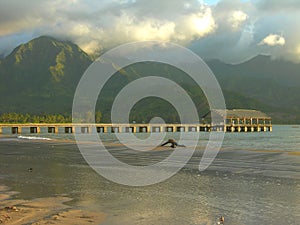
x: 98, y: 116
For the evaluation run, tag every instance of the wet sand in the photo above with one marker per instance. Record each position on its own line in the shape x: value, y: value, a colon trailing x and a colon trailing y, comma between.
x: 51, y: 210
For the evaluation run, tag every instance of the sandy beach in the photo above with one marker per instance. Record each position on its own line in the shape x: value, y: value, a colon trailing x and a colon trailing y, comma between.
x: 51, y: 210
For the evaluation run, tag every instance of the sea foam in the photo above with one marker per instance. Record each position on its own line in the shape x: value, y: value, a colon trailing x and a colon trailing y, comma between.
x: 34, y: 138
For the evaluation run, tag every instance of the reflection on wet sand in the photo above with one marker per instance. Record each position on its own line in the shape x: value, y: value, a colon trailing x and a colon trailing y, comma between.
x: 51, y: 210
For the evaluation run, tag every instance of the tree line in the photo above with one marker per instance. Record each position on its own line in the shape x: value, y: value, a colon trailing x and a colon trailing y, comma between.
x: 13, y: 117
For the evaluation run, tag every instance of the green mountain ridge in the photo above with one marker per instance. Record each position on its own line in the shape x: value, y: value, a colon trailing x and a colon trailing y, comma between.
x: 41, y: 77
x: 44, y: 71
x: 274, y: 83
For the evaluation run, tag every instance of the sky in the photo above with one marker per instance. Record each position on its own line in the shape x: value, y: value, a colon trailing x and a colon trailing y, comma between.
x: 230, y: 30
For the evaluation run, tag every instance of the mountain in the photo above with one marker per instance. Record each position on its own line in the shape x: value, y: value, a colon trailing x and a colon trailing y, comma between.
x: 41, y: 77
x: 155, y: 107
x: 274, y: 83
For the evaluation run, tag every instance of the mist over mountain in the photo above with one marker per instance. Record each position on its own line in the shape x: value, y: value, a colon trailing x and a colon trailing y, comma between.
x: 41, y: 77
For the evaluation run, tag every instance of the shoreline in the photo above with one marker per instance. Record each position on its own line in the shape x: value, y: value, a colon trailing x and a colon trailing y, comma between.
x: 157, y: 148
x: 47, y: 210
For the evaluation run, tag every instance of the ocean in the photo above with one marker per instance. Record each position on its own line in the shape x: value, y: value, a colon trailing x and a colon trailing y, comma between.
x: 255, y: 179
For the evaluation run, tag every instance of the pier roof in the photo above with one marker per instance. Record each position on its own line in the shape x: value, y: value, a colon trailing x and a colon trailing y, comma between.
x: 241, y: 113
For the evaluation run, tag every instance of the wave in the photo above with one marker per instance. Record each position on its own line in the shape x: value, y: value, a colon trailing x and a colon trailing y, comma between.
x: 34, y: 138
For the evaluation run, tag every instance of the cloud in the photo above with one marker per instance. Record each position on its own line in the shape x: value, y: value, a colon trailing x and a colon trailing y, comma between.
x: 109, y: 23
x: 201, y: 24
x: 238, y: 42
x: 273, y: 40
x: 231, y: 30
x: 133, y: 29
x: 120, y: 25
x: 237, y: 18
x: 278, y: 5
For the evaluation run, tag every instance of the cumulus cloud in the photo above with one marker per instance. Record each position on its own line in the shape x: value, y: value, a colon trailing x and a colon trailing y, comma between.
x: 126, y: 24
x: 232, y: 30
x: 112, y: 22
x: 273, y: 40
x: 237, y: 18
x: 201, y: 24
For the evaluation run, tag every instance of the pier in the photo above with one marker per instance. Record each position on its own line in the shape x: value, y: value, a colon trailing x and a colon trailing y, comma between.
x: 241, y: 120
x: 235, y: 120
x: 129, y: 128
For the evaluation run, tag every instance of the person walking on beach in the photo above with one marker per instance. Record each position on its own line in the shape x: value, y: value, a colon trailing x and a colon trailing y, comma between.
x: 173, y: 143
